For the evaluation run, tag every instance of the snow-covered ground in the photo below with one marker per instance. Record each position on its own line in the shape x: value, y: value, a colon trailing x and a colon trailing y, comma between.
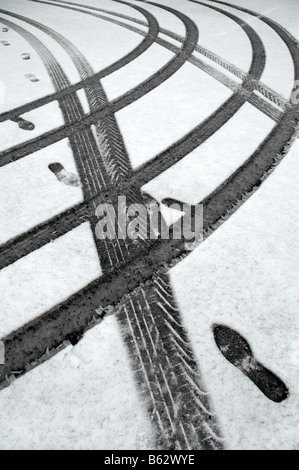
x: 83, y: 398
x: 204, y: 169
x: 245, y: 275
x: 31, y: 193
x: 61, y: 268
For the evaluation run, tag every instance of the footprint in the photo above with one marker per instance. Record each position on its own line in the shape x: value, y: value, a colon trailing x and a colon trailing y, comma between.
x: 23, y: 124
x: 31, y: 77
x: 237, y: 351
x: 64, y: 176
x: 25, y: 56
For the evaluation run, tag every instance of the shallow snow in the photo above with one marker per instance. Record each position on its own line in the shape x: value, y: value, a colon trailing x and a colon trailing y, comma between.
x: 217, y: 33
x: 30, y: 192
x: 203, y: 170
x: 50, y: 275
x: 285, y: 13
x: 109, y: 42
x: 246, y: 276
x: 83, y: 398
x: 167, y: 113
x: 278, y: 74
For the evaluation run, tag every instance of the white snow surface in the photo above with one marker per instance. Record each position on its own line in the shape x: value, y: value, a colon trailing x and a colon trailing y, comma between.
x: 284, y: 13
x: 60, y: 268
x: 278, y: 74
x: 245, y: 275
x: 203, y: 170
x: 83, y: 398
x: 217, y: 33
x: 167, y: 113
x: 30, y: 192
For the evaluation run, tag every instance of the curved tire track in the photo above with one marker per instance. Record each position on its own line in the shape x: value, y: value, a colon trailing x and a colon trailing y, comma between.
x: 267, y: 92
x: 257, y: 101
x: 116, y: 105
x: 83, y: 144
x: 136, y: 52
x: 213, y: 123
x: 165, y: 159
x: 113, y: 153
x: 137, y: 272
x: 140, y: 90
x: 274, y: 147
x: 178, y: 432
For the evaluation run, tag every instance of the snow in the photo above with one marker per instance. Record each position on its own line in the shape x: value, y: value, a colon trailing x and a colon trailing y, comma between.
x: 217, y: 33
x: 61, y: 268
x: 172, y: 110
x: 136, y: 72
x: 278, y: 74
x: 11, y: 134
x: 117, y: 41
x: 245, y: 275
x: 203, y: 170
x: 85, y: 396
x: 31, y: 194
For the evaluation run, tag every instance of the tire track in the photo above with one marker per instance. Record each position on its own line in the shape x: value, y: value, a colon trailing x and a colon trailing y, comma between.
x: 165, y: 252
x: 116, y: 105
x: 151, y: 83
x: 266, y: 91
x: 165, y: 370
x: 180, y: 431
x: 113, y: 154
x: 83, y: 144
x: 167, y: 158
x: 44, y: 233
x: 273, y: 149
x: 112, y: 148
x: 256, y: 101
x: 153, y: 30
x: 131, y: 276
